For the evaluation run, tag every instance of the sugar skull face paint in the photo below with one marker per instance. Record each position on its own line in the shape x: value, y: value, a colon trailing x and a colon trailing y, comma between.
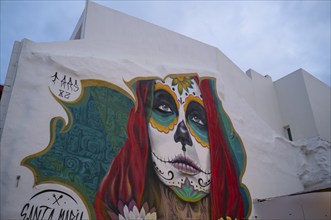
x: 178, y: 133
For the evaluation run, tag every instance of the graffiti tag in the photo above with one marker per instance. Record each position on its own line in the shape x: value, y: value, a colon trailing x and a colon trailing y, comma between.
x: 52, y: 204
x: 65, y: 85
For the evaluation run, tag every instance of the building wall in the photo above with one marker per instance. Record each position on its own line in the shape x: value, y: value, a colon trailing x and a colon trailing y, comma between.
x: 319, y: 95
x: 306, y: 206
x: 10, y: 79
x: 109, y: 55
x: 258, y: 91
x: 265, y: 100
x: 295, y: 106
x: 304, y: 105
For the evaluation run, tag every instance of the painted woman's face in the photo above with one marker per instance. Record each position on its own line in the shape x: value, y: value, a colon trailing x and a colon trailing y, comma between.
x: 179, y: 137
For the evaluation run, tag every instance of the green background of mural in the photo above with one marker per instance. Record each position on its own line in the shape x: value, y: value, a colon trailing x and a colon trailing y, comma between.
x: 79, y: 155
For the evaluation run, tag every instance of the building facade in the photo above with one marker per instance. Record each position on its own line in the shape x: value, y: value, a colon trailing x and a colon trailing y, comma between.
x: 66, y: 121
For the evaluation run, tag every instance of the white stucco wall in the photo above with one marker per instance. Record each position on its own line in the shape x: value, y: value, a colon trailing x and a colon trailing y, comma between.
x: 265, y: 100
x: 295, y: 106
x: 319, y: 95
x: 310, y: 206
x: 305, y: 105
x: 8, y: 86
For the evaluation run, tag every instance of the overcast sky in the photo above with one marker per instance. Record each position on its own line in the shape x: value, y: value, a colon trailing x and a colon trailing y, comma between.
x: 271, y: 37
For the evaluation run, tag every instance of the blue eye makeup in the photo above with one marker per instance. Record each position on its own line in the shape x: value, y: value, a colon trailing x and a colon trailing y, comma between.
x: 164, y: 111
x: 196, y: 118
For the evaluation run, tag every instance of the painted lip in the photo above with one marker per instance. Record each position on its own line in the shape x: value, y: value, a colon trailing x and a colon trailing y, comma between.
x: 185, y: 165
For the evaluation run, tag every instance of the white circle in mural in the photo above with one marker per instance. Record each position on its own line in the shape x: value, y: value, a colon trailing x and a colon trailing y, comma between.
x: 54, y: 203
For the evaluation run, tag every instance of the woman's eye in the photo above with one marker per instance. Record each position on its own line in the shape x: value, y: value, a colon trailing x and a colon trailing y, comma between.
x: 164, y: 108
x: 197, y: 120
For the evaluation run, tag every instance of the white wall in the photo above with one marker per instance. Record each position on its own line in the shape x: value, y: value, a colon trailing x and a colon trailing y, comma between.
x: 8, y: 86
x: 295, y: 106
x: 265, y: 100
x: 310, y: 206
x: 258, y: 91
x: 305, y: 105
x: 319, y: 95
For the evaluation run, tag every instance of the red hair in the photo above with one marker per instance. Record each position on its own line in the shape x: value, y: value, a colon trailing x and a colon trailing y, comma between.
x: 126, y: 178
x: 225, y: 196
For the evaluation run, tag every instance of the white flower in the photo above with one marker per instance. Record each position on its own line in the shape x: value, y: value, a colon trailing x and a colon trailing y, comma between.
x: 134, y: 214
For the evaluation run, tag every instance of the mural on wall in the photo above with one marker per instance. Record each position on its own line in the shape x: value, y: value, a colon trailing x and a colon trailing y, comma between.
x: 168, y: 152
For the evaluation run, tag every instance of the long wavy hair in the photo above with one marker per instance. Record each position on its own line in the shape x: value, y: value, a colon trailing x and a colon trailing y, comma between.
x: 131, y: 175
